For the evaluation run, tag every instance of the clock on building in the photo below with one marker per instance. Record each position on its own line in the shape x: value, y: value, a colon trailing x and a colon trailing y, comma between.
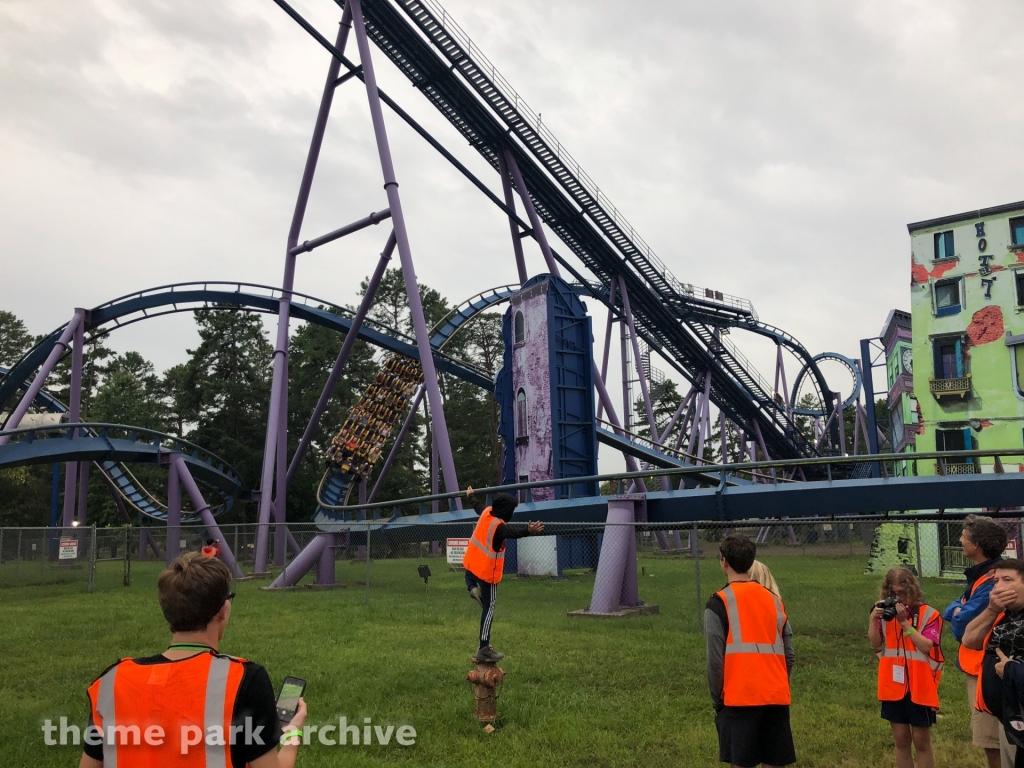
x: 908, y: 360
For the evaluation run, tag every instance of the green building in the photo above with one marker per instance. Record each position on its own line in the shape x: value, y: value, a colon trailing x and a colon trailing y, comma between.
x: 966, y: 298
x: 965, y: 332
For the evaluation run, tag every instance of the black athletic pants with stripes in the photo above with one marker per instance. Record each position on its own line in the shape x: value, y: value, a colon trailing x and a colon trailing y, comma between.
x: 488, y: 595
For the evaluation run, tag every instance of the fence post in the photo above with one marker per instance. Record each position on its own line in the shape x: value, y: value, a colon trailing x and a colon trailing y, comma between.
x: 235, y: 548
x: 92, y: 558
x: 17, y: 557
x: 367, y: 600
x: 696, y: 567
x: 917, y: 544
x: 128, y: 556
x: 1, y: 546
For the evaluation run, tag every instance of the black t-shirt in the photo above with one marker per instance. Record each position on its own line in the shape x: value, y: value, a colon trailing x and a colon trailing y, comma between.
x: 1008, y: 635
x: 255, y: 699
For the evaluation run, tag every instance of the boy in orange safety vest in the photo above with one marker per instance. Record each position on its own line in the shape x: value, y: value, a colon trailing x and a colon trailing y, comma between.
x: 484, y: 561
x: 909, y: 665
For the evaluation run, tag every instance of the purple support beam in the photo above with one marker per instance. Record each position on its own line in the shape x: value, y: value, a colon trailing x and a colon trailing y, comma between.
x: 308, y: 558
x: 146, y: 542
x: 173, y: 511
x: 607, y: 341
x: 204, y: 513
x: 781, y: 369
x: 74, y: 415
x: 373, y: 219
x: 531, y: 212
x: 279, y: 384
x: 602, y: 392
x: 435, y: 505
x: 438, y: 423
x: 325, y: 565
x: 617, y: 558
x: 644, y: 390
x: 37, y: 383
x: 842, y: 422
x: 760, y: 442
x: 281, y: 497
x: 83, y: 492
x: 510, y: 201
x: 627, y: 406
x: 343, y: 354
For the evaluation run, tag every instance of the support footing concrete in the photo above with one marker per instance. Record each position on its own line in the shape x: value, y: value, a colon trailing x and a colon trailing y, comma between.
x: 622, y: 613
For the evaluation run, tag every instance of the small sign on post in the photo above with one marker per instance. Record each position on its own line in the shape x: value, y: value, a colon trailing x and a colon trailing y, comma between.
x: 455, y: 549
x: 1011, y: 549
x: 68, y: 549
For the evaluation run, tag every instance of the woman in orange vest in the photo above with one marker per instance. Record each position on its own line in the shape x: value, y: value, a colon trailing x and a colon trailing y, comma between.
x: 211, y: 548
x: 484, y: 561
x: 905, y: 634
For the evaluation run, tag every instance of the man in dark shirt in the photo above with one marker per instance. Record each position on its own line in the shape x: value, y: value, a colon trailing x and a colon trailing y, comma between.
x: 195, y: 598
x: 483, y: 591
x: 1000, y: 626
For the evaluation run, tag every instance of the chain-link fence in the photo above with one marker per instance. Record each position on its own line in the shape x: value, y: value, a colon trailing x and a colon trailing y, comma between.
x: 388, y: 559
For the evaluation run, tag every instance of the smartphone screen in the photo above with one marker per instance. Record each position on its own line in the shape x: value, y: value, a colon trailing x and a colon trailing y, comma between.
x: 288, y: 701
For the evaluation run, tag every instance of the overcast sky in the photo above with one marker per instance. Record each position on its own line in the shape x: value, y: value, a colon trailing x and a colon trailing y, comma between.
x: 772, y: 150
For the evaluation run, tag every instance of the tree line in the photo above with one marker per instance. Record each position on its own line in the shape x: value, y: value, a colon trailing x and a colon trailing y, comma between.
x: 219, y: 398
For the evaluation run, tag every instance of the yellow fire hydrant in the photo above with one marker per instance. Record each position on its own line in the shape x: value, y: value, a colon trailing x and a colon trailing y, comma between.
x: 486, y: 679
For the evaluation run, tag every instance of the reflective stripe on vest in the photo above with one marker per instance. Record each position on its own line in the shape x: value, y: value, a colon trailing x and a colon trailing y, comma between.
x: 979, y: 697
x: 480, y: 559
x: 122, y: 749
x: 970, y: 660
x: 921, y: 671
x: 755, y: 671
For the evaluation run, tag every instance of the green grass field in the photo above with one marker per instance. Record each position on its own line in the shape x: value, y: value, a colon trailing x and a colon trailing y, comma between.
x: 578, y: 692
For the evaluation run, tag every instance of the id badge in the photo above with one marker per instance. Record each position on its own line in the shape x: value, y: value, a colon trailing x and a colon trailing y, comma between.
x: 899, y: 674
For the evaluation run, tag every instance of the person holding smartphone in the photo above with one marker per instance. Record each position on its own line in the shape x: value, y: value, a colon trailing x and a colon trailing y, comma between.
x: 191, y: 704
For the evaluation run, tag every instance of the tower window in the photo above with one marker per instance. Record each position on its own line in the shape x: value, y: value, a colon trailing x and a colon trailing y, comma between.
x: 519, y: 331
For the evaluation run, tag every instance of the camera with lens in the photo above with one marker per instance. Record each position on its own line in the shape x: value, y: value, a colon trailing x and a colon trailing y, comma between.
x: 888, y: 607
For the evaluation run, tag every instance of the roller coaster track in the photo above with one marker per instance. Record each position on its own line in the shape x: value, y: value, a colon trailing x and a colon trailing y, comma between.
x: 189, y: 297
x: 127, y: 485
x: 677, y: 319
x: 111, y: 445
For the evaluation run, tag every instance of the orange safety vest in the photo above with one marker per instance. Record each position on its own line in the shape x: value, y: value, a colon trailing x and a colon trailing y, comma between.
x: 969, y: 660
x: 480, y: 559
x: 190, y: 701
x: 979, y: 698
x: 210, y: 551
x: 755, y: 658
x: 902, y: 668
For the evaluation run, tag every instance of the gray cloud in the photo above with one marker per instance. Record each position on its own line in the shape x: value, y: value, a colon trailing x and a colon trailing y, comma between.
x: 770, y: 150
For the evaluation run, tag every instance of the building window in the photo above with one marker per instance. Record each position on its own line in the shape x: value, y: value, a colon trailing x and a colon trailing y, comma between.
x: 521, y: 422
x: 523, y: 492
x: 1017, y: 231
x: 896, y: 422
x: 949, y: 360
x: 519, y: 335
x: 944, y: 245
x: 1017, y: 360
x: 947, y: 297
x: 953, y: 440
x: 1018, y: 279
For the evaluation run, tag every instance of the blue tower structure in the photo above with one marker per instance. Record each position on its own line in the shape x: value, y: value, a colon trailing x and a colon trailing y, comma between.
x: 545, y: 391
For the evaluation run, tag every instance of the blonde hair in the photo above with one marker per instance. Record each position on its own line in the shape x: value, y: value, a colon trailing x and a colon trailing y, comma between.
x: 902, y: 577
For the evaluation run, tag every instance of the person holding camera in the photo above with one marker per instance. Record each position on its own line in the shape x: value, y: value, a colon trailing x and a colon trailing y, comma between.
x: 905, y: 634
x: 191, y: 705
x: 1000, y: 629
x: 983, y: 542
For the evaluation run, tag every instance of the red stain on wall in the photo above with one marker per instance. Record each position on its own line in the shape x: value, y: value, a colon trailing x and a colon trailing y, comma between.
x: 1020, y: 257
x: 986, y: 326
x: 920, y: 274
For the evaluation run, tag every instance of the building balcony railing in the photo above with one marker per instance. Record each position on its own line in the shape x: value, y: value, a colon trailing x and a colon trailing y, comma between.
x: 958, y: 386
x: 951, y: 468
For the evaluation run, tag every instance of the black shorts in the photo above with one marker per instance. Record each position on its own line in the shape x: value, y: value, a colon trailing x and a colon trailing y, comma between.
x: 906, y: 712
x: 749, y: 736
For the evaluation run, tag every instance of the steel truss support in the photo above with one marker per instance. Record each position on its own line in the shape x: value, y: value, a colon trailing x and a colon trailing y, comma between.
x: 279, y: 384
x: 513, y: 227
x: 185, y: 477
x: 531, y: 212
x: 71, y: 469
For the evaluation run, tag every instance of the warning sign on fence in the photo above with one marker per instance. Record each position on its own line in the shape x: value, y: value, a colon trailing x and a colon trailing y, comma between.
x: 455, y: 549
x: 68, y: 549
